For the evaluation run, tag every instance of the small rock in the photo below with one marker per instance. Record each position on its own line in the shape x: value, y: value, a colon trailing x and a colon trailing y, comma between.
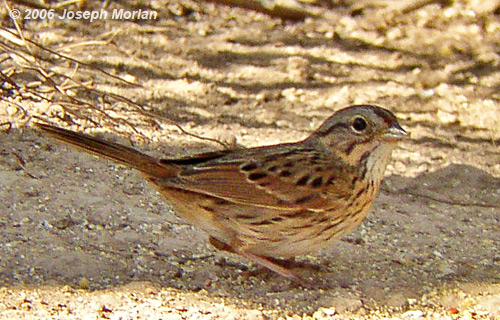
x: 341, y: 304
x: 414, y: 314
x: 491, y: 304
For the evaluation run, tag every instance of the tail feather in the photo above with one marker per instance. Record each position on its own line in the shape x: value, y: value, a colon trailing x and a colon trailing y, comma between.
x: 112, y: 151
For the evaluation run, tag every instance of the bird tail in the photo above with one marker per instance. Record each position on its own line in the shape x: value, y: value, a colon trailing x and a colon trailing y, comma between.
x: 112, y: 151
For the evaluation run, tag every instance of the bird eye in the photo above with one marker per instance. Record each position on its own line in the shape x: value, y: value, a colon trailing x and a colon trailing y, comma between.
x: 359, y: 124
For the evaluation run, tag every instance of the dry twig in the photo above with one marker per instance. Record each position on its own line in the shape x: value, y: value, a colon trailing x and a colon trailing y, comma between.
x: 27, y: 74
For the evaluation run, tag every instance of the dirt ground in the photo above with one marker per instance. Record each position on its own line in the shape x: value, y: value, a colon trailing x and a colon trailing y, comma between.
x: 84, y: 238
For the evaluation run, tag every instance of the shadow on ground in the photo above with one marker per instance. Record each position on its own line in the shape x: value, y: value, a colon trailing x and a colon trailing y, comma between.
x: 68, y: 218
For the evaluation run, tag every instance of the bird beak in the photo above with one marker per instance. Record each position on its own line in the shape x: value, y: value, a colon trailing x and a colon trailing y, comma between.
x: 394, y: 133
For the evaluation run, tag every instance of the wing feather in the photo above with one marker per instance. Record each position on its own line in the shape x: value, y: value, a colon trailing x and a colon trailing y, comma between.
x: 303, y: 179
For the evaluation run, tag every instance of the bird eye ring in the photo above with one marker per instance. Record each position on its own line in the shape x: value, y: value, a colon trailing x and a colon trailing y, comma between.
x: 359, y: 124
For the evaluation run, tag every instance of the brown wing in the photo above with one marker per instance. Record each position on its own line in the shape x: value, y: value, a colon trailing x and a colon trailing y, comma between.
x: 284, y: 179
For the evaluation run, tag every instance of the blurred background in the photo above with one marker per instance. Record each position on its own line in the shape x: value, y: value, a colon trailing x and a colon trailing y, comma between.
x: 83, y: 237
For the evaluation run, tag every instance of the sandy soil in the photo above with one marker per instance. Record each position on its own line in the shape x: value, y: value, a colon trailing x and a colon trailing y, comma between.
x: 83, y: 238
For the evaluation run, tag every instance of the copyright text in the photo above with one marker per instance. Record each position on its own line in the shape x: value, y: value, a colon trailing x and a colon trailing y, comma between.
x: 90, y: 15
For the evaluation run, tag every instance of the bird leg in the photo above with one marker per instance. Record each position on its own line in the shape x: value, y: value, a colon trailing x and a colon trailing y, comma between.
x: 267, y: 263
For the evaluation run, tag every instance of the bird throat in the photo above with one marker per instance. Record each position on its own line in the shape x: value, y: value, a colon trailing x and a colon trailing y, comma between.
x: 378, y: 160
x: 373, y: 157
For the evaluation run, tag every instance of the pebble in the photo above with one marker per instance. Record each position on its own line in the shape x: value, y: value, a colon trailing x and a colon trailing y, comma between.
x: 414, y: 314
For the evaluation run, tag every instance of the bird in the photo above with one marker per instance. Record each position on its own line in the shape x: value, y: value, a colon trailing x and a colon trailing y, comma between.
x: 277, y: 201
